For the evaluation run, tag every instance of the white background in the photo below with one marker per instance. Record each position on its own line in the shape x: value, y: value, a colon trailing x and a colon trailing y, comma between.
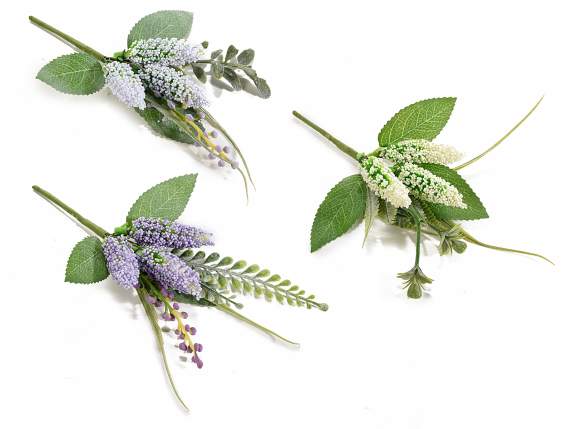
x: 489, y: 348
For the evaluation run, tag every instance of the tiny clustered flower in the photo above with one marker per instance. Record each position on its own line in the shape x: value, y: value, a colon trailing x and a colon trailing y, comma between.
x: 154, y: 64
x: 145, y: 246
x: 393, y: 173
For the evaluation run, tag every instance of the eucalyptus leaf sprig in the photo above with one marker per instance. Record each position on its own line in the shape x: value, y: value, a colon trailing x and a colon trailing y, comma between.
x: 160, y: 259
x: 406, y: 182
x: 158, y: 76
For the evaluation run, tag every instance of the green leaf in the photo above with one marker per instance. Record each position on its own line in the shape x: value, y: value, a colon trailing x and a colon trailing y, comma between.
x: 422, y: 120
x: 232, y: 78
x: 217, y: 69
x: 343, y: 207
x: 162, y: 126
x: 86, y: 263
x: 371, y: 210
x: 199, y: 73
x: 230, y: 53
x: 78, y: 74
x: 475, y: 208
x: 164, y: 24
x: 165, y: 200
x: 263, y: 88
x: 246, y: 57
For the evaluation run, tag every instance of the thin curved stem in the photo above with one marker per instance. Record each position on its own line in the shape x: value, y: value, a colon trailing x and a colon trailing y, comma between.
x: 96, y: 229
x: 152, y: 316
x: 417, y: 219
x: 503, y: 138
x: 233, y: 313
x: 349, y: 151
x: 473, y: 240
x: 69, y: 40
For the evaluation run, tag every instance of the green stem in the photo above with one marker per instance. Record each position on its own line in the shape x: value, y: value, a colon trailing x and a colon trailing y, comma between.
x: 236, y: 314
x: 352, y: 153
x: 473, y: 240
x: 96, y: 229
x: 417, y: 219
x: 503, y: 138
x: 152, y: 316
x: 76, y: 44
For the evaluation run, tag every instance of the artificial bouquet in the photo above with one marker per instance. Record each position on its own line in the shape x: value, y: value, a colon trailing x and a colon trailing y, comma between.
x: 407, y: 182
x: 159, y: 75
x: 160, y: 260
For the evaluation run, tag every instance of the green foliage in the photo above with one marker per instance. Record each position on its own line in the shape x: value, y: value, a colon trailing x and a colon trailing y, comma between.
x: 165, y: 200
x: 343, y: 207
x: 163, y: 126
x: 78, y: 74
x: 387, y: 212
x: 227, y: 276
x: 230, y: 66
x: 422, y: 120
x: 86, y: 263
x: 371, y: 211
x: 414, y: 281
x: 189, y: 299
x: 475, y: 208
x: 165, y: 24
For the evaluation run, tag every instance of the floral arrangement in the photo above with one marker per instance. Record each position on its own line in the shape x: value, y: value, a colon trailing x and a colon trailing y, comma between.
x: 407, y: 182
x: 159, y: 75
x: 160, y: 259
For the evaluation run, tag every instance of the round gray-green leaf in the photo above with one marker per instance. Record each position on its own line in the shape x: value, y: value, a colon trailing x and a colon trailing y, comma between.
x: 86, y: 263
x: 165, y: 24
x: 77, y: 74
x: 343, y: 207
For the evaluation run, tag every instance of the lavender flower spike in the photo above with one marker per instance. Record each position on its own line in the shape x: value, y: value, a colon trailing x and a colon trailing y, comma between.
x: 173, y: 85
x: 121, y: 261
x: 166, y: 52
x: 125, y: 84
x: 166, y: 233
x: 169, y: 271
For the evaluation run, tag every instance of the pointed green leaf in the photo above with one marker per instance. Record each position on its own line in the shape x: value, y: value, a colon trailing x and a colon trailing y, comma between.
x: 77, y: 74
x: 475, y: 208
x: 343, y: 207
x: 422, y: 120
x: 371, y: 209
x: 165, y: 200
x: 230, y: 53
x: 165, y: 24
x: 86, y: 263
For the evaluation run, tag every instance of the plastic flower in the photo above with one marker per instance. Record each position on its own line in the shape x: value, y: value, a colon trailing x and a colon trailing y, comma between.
x: 166, y: 233
x: 173, y: 85
x: 427, y: 186
x: 124, y: 84
x: 383, y: 182
x: 121, y: 261
x: 417, y: 151
x: 169, y: 271
x: 166, y: 52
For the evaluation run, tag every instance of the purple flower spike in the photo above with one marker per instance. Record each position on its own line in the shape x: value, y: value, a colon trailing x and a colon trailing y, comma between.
x: 171, y: 273
x: 166, y: 233
x: 121, y: 261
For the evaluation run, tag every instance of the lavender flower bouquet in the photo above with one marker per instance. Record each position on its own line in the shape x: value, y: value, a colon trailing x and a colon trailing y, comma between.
x: 158, y: 75
x: 160, y: 260
x: 406, y: 182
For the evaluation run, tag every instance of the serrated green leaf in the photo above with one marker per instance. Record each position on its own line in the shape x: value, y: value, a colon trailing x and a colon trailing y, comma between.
x: 422, y: 120
x: 86, y: 263
x: 217, y: 69
x: 164, y: 127
x: 343, y: 207
x: 165, y: 24
x: 165, y: 200
x: 387, y: 212
x: 475, y: 208
x: 216, y: 53
x: 232, y: 78
x: 77, y: 74
x: 371, y: 210
x: 246, y: 57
